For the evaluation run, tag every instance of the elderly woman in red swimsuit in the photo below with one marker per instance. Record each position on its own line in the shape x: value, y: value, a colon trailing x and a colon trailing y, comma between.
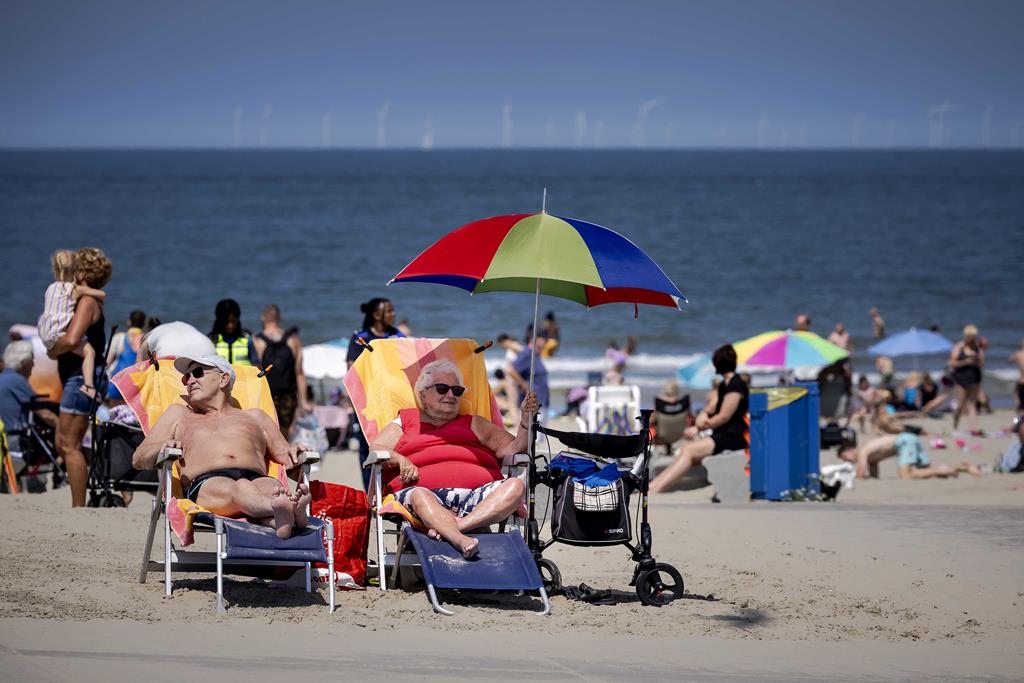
x: 446, y: 468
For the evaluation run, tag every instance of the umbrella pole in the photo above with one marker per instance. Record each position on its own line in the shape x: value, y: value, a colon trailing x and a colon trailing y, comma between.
x: 533, y: 337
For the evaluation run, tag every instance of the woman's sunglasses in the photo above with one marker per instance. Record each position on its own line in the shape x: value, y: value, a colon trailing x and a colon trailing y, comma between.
x: 198, y: 372
x: 455, y: 389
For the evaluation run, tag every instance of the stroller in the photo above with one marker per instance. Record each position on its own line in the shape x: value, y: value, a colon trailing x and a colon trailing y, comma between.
x: 600, y: 516
x: 111, y: 471
x: 37, y: 442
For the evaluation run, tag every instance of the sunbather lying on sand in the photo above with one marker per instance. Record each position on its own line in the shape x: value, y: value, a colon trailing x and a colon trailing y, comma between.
x: 913, y: 461
x: 446, y: 468
x: 224, y: 466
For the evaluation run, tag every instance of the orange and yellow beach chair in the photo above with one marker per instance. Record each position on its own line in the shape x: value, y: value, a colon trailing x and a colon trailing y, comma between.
x: 242, y: 548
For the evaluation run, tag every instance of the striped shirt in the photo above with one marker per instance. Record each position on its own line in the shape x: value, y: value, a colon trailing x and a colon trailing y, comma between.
x: 58, y: 309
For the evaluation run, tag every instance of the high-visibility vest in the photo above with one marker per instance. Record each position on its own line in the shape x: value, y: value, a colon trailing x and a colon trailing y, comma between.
x: 237, y: 352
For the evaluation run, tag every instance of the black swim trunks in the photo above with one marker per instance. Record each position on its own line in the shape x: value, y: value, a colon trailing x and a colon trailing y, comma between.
x: 234, y: 473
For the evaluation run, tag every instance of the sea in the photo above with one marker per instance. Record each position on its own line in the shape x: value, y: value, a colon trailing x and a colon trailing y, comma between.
x: 752, y: 238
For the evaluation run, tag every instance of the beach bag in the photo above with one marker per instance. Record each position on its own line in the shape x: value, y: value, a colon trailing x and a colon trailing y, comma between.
x: 349, y: 511
x: 1012, y: 460
x: 585, y: 515
x: 308, y: 430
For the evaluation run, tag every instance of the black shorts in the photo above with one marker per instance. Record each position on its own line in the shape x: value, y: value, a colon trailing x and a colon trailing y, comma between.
x: 234, y: 473
x: 727, y: 441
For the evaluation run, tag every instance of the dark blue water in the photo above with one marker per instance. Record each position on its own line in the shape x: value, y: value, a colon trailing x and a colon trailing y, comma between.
x: 751, y: 238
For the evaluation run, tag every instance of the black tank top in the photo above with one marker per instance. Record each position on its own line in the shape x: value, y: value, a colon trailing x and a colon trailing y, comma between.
x: 737, y: 423
x: 70, y: 364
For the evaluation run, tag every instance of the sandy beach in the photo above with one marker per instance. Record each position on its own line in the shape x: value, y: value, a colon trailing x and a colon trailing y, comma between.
x: 898, y: 579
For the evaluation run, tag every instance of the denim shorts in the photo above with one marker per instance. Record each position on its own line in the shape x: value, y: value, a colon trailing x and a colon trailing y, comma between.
x: 73, y: 401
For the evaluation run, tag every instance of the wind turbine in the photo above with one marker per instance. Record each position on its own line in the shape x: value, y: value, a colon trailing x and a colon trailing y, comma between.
x: 326, y: 130
x: 581, y: 128
x: 382, y: 124
x: 264, y: 122
x: 506, y: 126
x: 236, y: 128
x: 642, y: 112
x: 937, y: 133
x: 428, y: 135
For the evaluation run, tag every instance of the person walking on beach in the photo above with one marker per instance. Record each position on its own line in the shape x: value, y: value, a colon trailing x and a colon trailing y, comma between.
x: 378, y: 323
x: 966, y: 361
x: 802, y: 323
x: 1018, y: 358
x: 877, y: 323
x: 233, y: 343
x: 92, y: 268
x: 282, y: 349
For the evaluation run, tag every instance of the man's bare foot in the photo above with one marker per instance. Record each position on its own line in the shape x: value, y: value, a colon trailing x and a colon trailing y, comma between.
x: 284, y: 513
x: 300, y: 499
x: 88, y: 391
x: 433, y: 535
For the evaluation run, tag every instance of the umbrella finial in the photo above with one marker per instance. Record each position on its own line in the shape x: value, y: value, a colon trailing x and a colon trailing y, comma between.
x: 544, y: 202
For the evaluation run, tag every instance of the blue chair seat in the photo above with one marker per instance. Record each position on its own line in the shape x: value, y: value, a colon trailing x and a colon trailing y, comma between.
x: 503, y: 562
x: 246, y: 541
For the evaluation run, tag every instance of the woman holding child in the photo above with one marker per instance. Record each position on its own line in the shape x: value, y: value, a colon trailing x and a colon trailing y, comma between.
x: 91, y: 268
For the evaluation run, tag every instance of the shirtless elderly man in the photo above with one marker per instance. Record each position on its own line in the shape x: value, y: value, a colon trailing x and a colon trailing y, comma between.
x: 446, y: 468
x: 223, y: 467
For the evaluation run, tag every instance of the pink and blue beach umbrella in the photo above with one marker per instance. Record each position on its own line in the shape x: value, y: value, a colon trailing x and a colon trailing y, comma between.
x: 698, y: 373
x: 787, y: 349
x: 913, y: 342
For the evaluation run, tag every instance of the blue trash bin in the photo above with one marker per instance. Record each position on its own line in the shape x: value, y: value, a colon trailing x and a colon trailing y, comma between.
x: 784, y: 440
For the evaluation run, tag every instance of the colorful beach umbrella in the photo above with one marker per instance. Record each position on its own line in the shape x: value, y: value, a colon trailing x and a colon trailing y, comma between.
x: 544, y: 254
x: 787, y: 349
x: 913, y: 342
x: 699, y: 373
x: 563, y: 257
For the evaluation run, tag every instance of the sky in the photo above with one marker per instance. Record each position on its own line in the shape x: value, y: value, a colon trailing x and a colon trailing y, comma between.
x: 771, y: 74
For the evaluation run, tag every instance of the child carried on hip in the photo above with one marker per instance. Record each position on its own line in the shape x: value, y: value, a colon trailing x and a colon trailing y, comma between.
x: 59, y: 308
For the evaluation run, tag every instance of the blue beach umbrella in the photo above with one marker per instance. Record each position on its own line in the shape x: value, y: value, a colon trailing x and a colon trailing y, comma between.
x: 913, y: 342
x: 698, y: 373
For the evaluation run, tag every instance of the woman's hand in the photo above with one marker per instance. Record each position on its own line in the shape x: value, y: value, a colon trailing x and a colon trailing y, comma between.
x: 691, y: 433
x: 407, y: 472
x: 530, y: 404
x: 703, y: 422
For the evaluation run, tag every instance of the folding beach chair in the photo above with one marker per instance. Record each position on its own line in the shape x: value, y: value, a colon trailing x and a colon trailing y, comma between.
x: 380, y: 384
x: 243, y: 548
x: 611, y: 408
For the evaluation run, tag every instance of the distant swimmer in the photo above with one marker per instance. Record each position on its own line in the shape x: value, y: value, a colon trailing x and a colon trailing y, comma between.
x: 840, y: 337
x: 877, y: 322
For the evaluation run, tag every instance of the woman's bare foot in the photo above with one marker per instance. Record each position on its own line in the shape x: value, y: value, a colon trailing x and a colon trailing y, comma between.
x: 284, y: 513
x: 300, y: 499
x: 433, y: 535
x: 468, y: 545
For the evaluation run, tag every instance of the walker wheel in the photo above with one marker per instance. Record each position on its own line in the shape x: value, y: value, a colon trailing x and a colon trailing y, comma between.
x: 659, y: 586
x: 550, y: 575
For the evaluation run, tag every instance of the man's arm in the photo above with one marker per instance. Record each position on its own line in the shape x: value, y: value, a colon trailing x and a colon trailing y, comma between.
x: 165, y: 430
x: 278, y: 448
x: 85, y: 313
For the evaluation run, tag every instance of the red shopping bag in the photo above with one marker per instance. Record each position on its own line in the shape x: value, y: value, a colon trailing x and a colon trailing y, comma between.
x: 349, y: 510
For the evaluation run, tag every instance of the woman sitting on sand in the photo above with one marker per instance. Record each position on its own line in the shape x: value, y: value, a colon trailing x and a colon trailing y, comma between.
x: 727, y: 423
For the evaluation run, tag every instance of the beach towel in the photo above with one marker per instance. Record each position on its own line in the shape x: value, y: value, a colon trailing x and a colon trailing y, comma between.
x: 380, y: 383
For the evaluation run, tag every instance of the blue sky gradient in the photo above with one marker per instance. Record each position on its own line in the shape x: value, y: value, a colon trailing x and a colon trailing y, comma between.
x: 813, y: 74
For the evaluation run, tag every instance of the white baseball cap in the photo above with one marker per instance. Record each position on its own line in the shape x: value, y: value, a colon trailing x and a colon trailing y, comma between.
x: 181, y: 364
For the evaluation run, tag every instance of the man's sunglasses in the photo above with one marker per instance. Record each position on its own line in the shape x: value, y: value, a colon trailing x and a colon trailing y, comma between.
x: 455, y: 389
x: 198, y: 372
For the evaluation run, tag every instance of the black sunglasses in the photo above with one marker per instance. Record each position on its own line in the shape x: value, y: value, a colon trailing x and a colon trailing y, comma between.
x: 455, y: 389
x: 198, y: 372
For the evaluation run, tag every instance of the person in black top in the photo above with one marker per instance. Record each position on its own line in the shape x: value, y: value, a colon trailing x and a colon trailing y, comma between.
x: 727, y: 420
x: 378, y: 323
x: 93, y: 268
